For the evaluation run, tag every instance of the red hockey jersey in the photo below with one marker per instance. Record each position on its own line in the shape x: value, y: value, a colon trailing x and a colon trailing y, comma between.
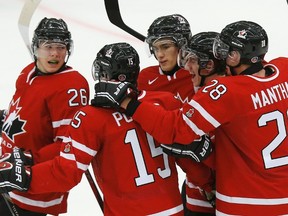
x: 38, y: 115
x: 136, y: 178
x: 180, y: 83
x: 249, y: 114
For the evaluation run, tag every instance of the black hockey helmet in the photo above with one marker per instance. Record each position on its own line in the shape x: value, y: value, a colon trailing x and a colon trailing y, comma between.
x: 173, y: 26
x: 52, y: 29
x: 117, y: 61
x: 247, y: 37
x: 200, y: 47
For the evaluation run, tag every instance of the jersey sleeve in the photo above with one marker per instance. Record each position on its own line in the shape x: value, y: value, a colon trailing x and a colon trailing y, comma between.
x: 77, y: 151
x: 165, y: 126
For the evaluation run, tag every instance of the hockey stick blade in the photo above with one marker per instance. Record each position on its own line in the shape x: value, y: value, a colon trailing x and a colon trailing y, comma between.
x: 24, y: 21
x: 94, y: 189
x: 114, y: 15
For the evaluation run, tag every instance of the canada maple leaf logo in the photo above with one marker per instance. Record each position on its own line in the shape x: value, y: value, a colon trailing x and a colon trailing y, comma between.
x: 13, y: 124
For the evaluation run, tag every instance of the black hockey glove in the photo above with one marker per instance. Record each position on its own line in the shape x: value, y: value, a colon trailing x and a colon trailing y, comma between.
x: 14, y: 175
x: 211, y: 197
x: 3, y: 114
x: 111, y: 94
x: 198, y: 150
x: 26, y: 156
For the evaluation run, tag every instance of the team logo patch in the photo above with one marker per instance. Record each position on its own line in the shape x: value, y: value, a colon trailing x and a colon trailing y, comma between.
x: 190, y: 113
x: 13, y: 124
x: 254, y: 59
x: 242, y: 34
x: 121, y: 77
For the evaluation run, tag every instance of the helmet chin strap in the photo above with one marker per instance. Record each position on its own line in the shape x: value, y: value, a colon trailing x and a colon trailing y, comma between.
x: 254, y: 68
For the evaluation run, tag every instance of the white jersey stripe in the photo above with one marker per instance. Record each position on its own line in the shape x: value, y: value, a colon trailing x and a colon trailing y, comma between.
x: 251, y: 201
x: 196, y: 202
x: 57, y: 124
x: 37, y: 203
x: 193, y: 126
x: 83, y: 148
x: 204, y: 113
x: 169, y: 211
x: 81, y: 166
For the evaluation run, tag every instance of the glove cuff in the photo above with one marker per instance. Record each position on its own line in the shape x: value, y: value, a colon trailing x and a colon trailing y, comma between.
x: 132, y: 106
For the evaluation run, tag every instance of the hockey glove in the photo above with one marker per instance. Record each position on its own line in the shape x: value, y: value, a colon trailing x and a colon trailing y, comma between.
x: 211, y: 197
x: 198, y: 150
x: 14, y: 175
x: 111, y: 94
x: 3, y: 114
x: 25, y: 156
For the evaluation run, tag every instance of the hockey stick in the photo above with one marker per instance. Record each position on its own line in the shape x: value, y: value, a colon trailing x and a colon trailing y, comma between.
x: 24, y: 21
x: 94, y: 188
x: 114, y: 15
x: 10, y: 205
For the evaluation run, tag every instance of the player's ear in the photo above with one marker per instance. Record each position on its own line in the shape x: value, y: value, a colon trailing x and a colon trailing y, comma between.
x: 234, y: 57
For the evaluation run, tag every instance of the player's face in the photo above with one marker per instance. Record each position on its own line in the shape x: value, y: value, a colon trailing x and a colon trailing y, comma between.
x: 51, y: 56
x: 192, y: 66
x: 166, y: 53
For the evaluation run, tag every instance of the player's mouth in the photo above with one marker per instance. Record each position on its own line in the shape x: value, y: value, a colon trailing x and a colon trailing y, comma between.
x: 55, y: 62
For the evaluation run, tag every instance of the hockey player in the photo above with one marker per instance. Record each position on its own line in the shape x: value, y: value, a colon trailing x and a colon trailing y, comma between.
x: 48, y: 93
x: 166, y: 35
x: 136, y: 178
x: 248, y: 112
x: 200, y: 49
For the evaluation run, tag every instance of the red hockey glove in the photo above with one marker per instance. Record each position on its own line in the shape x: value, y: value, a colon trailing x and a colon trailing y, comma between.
x: 111, y: 93
x: 198, y: 150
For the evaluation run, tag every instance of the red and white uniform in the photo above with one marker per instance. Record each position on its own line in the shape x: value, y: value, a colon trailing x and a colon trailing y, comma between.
x: 38, y: 115
x: 180, y: 84
x: 136, y: 178
x: 249, y: 116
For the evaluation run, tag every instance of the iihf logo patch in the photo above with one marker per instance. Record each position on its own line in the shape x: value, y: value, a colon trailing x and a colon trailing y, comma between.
x: 67, y: 148
x: 190, y: 113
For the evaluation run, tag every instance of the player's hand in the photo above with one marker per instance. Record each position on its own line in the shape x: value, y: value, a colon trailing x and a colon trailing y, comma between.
x: 3, y: 114
x: 112, y: 93
x: 198, y: 150
x: 14, y: 175
x: 17, y: 153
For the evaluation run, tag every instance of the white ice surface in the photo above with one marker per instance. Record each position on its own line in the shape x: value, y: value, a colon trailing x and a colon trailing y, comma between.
x: 91, y: 30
